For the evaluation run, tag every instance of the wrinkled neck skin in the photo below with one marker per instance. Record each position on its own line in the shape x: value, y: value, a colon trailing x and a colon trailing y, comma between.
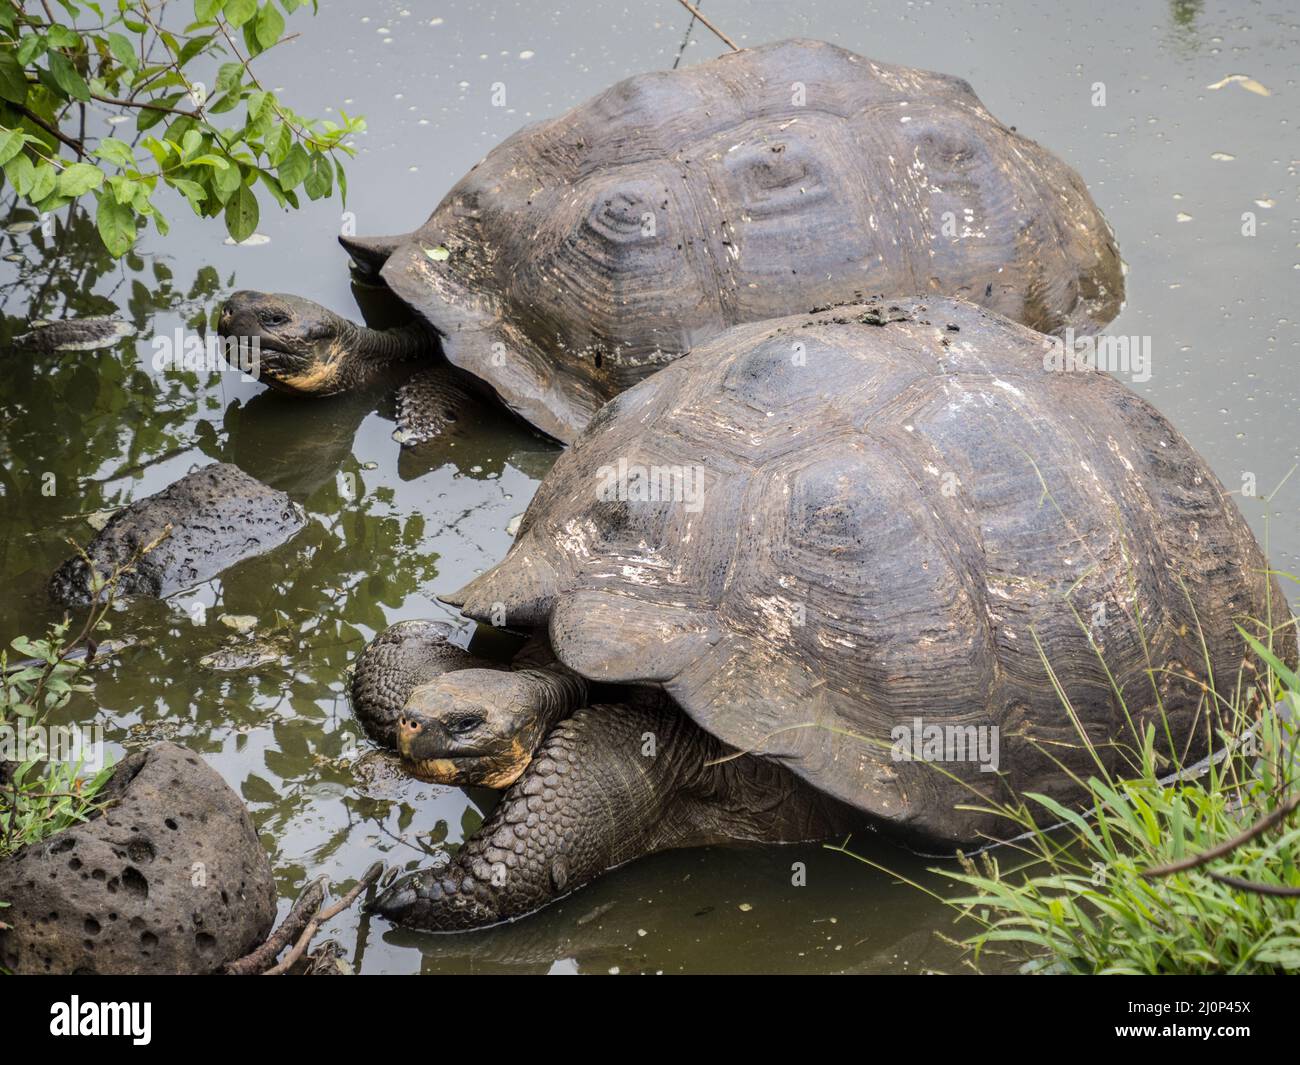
x: 366, y: 353
x: 611, y: 783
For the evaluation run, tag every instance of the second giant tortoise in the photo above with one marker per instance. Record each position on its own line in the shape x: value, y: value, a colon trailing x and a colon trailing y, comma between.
x: 586, y: 251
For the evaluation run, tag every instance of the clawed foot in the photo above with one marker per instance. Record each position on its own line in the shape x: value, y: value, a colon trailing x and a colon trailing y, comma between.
x: 437, y: 901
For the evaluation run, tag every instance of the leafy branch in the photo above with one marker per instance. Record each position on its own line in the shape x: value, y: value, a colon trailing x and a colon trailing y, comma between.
x: 127, y: 63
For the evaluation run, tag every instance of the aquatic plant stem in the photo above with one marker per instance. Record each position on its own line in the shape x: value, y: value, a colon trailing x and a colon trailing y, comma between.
x: 695, y: 11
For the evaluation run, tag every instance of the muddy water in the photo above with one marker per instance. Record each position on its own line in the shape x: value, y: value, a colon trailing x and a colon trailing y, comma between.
x: 1174, y: 165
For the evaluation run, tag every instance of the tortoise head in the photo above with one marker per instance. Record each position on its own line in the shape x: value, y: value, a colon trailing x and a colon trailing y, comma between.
x: 482, y: 726
x: 473, y: 726
x: 302, y: 347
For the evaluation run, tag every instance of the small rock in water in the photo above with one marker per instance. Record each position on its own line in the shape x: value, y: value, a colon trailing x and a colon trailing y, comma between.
x: 73, y: 334
x: 242, y: 657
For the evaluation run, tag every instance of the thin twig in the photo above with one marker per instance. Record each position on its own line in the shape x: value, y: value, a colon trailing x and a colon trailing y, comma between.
x: 307, y: 906
x: 717, y: 32
x: 53, y: 131
x: 1227, y: 846
x: 144, y: 106
x: 1255, y: 887
x: 313, y: 926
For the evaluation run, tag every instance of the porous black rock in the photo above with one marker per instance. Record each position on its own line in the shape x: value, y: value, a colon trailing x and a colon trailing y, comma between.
x: 169, y: 878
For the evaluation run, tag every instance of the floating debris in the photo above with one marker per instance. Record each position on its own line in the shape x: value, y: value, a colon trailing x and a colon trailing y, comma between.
x: 1264, y: 203
x: 17, y: 229
x: 1222, y: 157
x: 439, y: 254
x: 512, y: 526
x: 1184, y: 217
x: 241, y: 623
x: 1245, y: 81
x: 74, y: 334
x: 99, y: 518
x: 255, y: 240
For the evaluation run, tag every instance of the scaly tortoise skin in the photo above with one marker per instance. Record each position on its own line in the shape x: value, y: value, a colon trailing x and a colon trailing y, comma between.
x: 584, y: 252
x: 906, y: 518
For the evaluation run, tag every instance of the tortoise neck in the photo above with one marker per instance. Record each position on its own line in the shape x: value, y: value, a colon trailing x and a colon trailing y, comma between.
x: 372, y: 349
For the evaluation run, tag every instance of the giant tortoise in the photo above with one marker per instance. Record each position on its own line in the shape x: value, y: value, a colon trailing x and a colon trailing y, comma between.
x: 875, y: 565
x: 585, y: 252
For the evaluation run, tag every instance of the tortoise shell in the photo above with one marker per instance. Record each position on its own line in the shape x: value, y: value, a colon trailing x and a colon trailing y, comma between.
x: 883, y: 518
x: 585, y: 252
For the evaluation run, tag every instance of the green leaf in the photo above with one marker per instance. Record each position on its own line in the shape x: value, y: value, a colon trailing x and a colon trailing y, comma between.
x: 227, y: 181
x: 241, y: 214
x: 206, y: 10
x: 113, y: 150
x: 277, y: 144
x: 148, y: 118
x: 294, y: 169
x: 256, y: 102
x: 342, y: 180
x: 66, y: 77
x: 192, y: 191
x: 239, y: 11
x: 122, y: 51
x: 228, y: 77
x: 222, y: 104
x: 270, y: 25
x: 11, y: 143
x: 21, y: 173
x: 320, y: 177
x: 79, y: 178
x: 29, y: 48
x: 43, y: 182
x: 63, y: 38
x: 116, y: 224
x: 13, y: 85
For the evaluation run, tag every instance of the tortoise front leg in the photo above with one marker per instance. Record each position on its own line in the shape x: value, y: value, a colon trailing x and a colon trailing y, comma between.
x: 610, y: 784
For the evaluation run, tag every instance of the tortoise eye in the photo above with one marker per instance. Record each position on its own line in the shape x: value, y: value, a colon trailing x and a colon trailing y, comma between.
x: 272, y: 318
x: 465, y: 723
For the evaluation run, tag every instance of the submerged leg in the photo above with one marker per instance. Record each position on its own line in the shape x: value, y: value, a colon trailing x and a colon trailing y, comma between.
x: 433, y: 403
x: 608, y: 785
